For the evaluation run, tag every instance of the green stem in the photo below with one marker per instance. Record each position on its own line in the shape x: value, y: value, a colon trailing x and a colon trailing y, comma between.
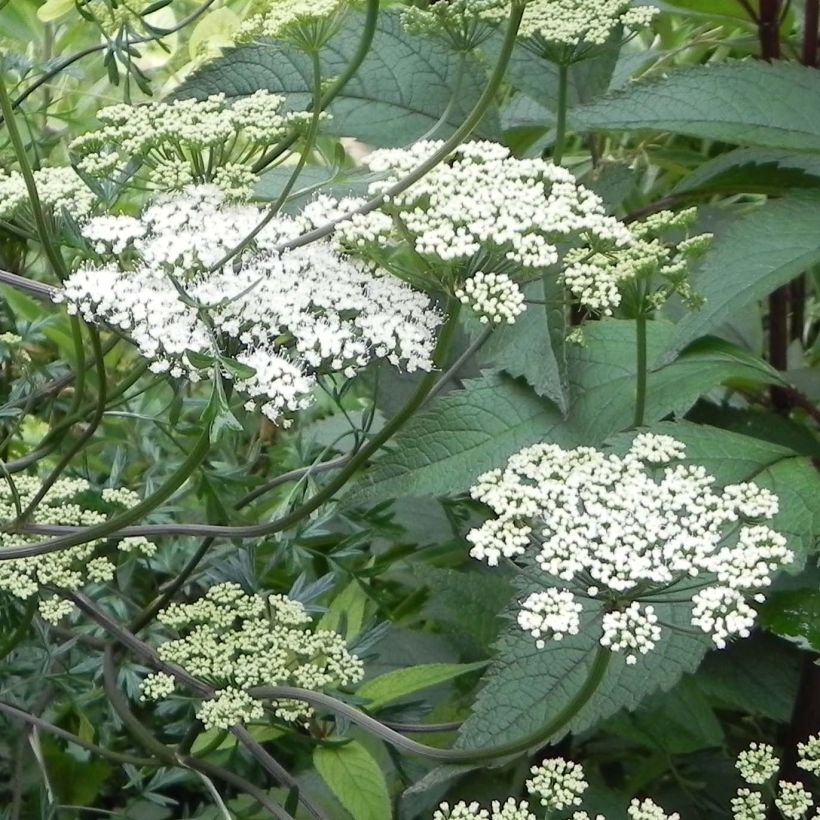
x: 117, y: 757
x: 196, y: 456
x: 273, y: 210
x: 9, y: 645
x: 51, y: 250
x: 368, y: 31
x: 462, y: 132
x: 640, y: 390
x: 86, y: 435
x: 561, y: 121
x: 257, y: 530
x: 531, y: 741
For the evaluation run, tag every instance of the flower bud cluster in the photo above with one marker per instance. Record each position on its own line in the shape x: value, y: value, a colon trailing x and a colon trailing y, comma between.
x: 235, y: 641
x: 648, y: 809
x: 69, y: 568
x: 582, y: 22
x: 190, y: 141
x: 595, y: 279
x: 556, y: 784
x: 572, y: 26
x: 464, y: 24
x: 757, y: 765
x: 308, y: 23
x: 482, y: 208
x: 493, y: 297
x: 293, y: 316
x: 59, y: 189
x: 618, y: 531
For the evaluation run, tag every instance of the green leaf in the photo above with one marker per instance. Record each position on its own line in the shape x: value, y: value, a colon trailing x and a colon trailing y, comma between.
x: 603, y: 376
x: 442, y: 450
x: 680, y: 721
x: 757, y: 676
x: 356, y: 779
x: 752, y: 258
x: 526, y: 687
x: 752, y: 170
x: 751, y: 102
x: 794, y: 615
x: 400, y: 92
x: 349, y: 606
x: 525, y: 350
x: 399, y: 683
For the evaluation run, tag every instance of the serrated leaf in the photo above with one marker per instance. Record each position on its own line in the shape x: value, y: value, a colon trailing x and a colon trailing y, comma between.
x: 758, y: 676
x: 399, y: 683
x: 442, y: 450
x: 772, y: 105
x: 525, y: 350
x: 356, y: 779
x: 603, y: 376
x: 752, y: 258
x: 399, y: 93
x: 794, y: 615
x: 526, y: 687
x: 752, y: 170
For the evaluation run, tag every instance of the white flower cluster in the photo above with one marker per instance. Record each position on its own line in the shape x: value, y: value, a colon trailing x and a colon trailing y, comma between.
x: 465, y: 24
x: 68, y: 568
x: 757, y: 763
x: 292, y: 315
x: 576, y: 25
x: 595, y: 279
x: 236, y: 641
x: 183, y: 142
x: 482, y: 205
x: 621, y: 530
x: 582, y: 22
x: 59, y: 189
x: 647, y: 809
x: 809, y: 755
x: 793, y: 800
x: 289, y: 19
x: 493, y: 297
x: 556, y: 784
x: 748, y: 805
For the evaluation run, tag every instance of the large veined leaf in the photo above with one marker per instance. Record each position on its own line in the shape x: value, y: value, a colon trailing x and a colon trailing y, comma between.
x: 746, y: 103
x: 401, y: 91
x: 442, y: 450
x: 603, y: 377
x: 525, y: 349
x: 752, y: 170
x: 356, y: 779
x: 526, y: 687
x: 745, y: 265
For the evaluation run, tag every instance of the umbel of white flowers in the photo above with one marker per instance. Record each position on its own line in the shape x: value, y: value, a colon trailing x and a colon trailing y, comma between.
x: 236, y: 641
x: 66, y: 504
x: 608, y: 535
x: 183, y: 142
x: 757, y: 765
x: 556, y: 785
x: 484, y: 212
x: 289, y: 317
x: 573, y: 25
